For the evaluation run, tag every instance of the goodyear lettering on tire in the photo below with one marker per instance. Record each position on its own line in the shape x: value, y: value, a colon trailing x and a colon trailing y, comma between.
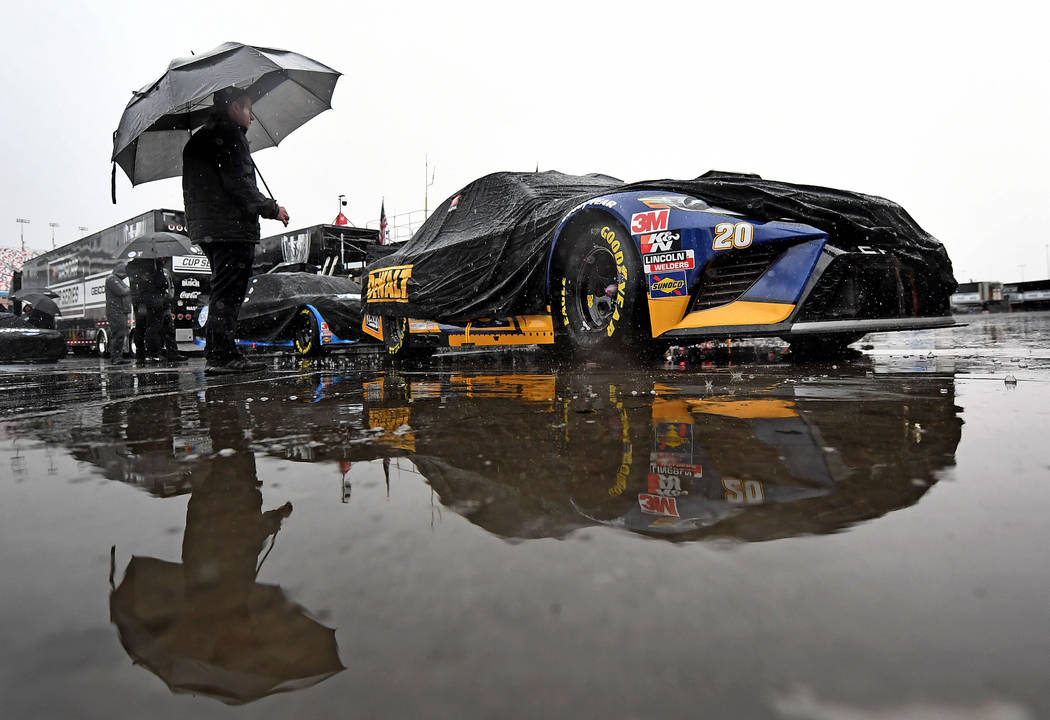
x: 564, y: 304
x: 398, y: 331
x: 301, y: 348
x: 609, y: 236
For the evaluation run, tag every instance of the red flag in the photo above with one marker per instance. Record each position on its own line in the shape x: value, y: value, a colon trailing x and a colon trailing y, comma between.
x: 340, y: 219
x: 384, y: 234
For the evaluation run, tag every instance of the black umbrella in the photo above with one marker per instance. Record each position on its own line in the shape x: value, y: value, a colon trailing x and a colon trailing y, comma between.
x: 41, y: 303
x: 234, y: 651
x: 286, y: 89
x: 22, y: 293
x: 159, y: 245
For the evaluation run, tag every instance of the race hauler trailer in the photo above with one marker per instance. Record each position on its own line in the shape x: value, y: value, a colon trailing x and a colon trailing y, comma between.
x: 78, y: 271
x: 323, y: 249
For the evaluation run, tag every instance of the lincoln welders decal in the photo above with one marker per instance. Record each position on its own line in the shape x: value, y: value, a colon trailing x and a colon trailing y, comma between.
x: 668, y: 261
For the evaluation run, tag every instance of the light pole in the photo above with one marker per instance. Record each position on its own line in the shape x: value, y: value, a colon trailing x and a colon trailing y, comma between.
x: 53, y: 226
x: 21, y: 231
x: 83, y: 229
x: 1022, y: 267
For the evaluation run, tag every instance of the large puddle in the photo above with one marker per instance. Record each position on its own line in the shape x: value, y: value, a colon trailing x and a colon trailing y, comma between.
x: 727, y: 535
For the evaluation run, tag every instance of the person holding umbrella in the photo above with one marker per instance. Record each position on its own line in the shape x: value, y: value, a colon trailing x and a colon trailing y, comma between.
x: 223, y: 207
x: 194, y: 121
x: 149, y: 296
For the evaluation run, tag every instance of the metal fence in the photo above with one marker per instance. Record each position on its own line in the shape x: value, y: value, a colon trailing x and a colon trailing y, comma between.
x: 400, y: 226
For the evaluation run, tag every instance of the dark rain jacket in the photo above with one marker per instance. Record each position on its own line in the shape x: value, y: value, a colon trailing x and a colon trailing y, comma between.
x: 149, y: 286
x: 222, y: 199
x: 118, y: 297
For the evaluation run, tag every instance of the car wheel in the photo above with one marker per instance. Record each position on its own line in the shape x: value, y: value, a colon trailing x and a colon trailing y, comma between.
x: 102, y: 343
x: 400, y: 345
x: 596, y: 290
x: 818, y: 347
x: 306, y: 337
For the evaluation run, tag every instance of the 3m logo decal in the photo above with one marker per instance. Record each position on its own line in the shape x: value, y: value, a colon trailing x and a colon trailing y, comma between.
x: 668, y: 261
x: 656, y: 505
x: 649, y: 222
x: 389, y: 284
x: 667, y: 285
x: 661, y: 242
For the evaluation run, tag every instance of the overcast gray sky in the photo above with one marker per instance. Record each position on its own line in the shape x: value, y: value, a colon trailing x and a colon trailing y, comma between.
x: 942, y: 107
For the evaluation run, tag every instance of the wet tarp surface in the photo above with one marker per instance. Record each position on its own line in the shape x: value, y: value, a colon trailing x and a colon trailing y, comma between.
x: 483, y: 251
x: 273, y: 301
x: 19, y: 340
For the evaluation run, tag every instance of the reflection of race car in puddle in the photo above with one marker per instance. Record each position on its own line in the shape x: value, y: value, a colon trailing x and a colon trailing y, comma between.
x: 688, y: 484
x: 590, y: 265
x: 534, y: 457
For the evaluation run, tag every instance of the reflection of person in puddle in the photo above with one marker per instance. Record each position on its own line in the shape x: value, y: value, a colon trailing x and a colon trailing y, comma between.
x: 226, y: 527
x: 205, y: 625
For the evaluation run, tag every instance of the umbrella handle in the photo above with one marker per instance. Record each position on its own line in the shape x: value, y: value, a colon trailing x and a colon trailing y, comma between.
x: 113, y: 183
x: 256, y: 170
x: 273, y: 539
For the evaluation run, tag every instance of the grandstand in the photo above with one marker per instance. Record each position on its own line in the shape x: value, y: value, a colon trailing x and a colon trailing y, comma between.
x: 11, y: 259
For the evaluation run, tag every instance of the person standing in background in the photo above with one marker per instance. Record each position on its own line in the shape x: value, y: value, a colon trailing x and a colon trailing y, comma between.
x: 118, y: 305
x: 149, y: 297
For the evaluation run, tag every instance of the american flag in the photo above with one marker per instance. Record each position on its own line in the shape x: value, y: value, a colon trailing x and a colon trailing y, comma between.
x: 384, y: 234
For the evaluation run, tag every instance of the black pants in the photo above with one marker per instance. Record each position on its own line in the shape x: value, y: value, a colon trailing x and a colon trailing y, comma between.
x: 149, y: 326
x: 231, y: 267
x: 118, y: 335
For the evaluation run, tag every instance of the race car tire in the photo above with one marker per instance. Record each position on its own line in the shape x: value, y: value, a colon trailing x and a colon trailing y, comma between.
x: 306, y: 336
x: 102, y: 343
x: 399, y: 342
x: 818, y: 347
x: 597, y: 291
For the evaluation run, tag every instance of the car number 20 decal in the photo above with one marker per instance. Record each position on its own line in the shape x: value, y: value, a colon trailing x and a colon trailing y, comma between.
x: 733, y: 235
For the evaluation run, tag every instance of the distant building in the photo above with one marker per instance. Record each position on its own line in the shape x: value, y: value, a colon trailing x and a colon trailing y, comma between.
x: 1031, y: 295
x: 11, y: 259
x: 978, y: 297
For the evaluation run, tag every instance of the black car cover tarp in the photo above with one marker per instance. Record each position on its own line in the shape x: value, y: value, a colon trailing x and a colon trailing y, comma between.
x: 273, y: 302
x: 20, y: 340
x: 483, y: 252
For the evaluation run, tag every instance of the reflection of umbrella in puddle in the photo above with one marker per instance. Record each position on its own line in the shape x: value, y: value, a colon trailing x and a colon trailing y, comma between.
x: 234, y: 652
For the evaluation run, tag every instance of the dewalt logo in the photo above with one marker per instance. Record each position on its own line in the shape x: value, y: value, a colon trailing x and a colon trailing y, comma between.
x: 389, y: 284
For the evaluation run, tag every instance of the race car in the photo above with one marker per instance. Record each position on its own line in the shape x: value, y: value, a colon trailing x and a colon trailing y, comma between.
x: 589, y: 265
x: 301, y: 311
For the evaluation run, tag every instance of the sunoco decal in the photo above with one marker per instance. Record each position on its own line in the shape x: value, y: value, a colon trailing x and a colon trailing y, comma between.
x: 667, y: 285
x: 389, y: 284
x: 668, y: 261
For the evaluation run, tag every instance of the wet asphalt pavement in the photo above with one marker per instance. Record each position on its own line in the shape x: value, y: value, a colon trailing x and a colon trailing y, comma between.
x: 488, y: 536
